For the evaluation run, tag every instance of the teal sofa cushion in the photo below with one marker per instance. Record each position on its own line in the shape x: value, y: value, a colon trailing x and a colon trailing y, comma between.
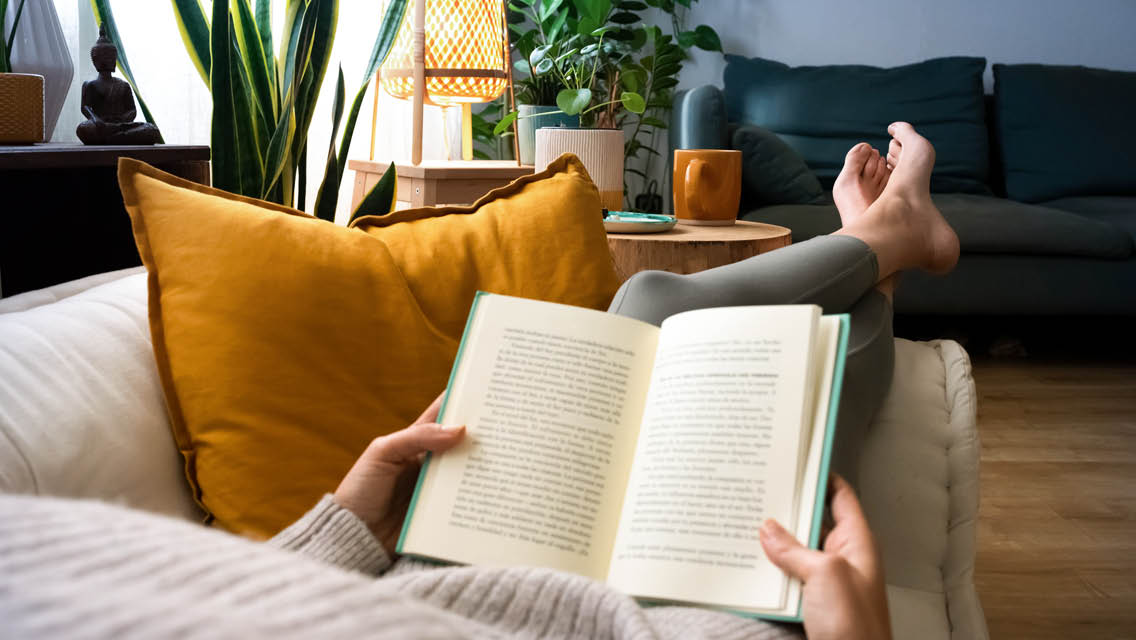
x: 984, y: 225
x: 822, y: 111
x: 1065, y: 131
x: 772, y: 171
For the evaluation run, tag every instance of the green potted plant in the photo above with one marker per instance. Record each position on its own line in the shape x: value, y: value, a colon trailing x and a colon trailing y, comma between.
x: 537, y: 23
x: 21, y: 94
x: 616, y: 73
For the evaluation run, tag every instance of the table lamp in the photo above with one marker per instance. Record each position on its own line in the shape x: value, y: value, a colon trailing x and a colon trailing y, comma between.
x: 449, y: 53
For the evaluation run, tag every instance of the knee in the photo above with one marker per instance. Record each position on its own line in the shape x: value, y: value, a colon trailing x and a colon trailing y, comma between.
x: 649, y: 296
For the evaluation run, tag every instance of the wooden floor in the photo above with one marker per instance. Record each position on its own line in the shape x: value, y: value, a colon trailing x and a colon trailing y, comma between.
x: 1057, y: 526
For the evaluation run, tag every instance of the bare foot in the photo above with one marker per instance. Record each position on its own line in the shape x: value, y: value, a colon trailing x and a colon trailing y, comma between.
x: 860, y: 182
x: 903, y: 226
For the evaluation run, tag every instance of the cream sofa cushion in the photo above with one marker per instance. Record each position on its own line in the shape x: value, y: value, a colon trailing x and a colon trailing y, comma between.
x: 81, y: 408
x: 82, y: 414
x: 919, y: 487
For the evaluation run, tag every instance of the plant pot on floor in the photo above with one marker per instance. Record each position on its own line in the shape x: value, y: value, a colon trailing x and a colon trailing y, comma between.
x: 601, y: 151
x: 533, y: 117
x: 21, y: 108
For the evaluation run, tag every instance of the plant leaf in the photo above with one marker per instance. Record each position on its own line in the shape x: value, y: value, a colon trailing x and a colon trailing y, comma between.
x: 252, y: 55
x: 505, y: 123
x: 573, y: 101
x: 654, y: 122
x: 706, y: 38
x: 264, y: 26
x: 633, y: 102
x: 328, y: 195
x: 226, y: 169
x: 381, y: 199
x: 194, y: 30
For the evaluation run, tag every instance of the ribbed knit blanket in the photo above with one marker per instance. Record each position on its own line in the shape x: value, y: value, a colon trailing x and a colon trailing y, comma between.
x: 85, y: 569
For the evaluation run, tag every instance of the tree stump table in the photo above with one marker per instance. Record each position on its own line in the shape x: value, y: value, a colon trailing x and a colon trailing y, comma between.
x: 689, y: 249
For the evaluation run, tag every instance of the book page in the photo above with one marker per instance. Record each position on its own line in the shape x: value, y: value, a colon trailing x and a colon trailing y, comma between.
x: 824, y: 365
x: 552, y: 398
x: 717, y: 454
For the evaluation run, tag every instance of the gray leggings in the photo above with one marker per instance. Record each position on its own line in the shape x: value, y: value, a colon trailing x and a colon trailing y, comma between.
x: 839, y: 273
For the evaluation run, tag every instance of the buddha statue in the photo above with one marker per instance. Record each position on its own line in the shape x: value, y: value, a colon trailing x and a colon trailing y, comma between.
x: 108, y: 103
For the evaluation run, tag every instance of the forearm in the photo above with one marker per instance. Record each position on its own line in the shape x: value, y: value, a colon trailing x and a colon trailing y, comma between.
x: 334, y: 535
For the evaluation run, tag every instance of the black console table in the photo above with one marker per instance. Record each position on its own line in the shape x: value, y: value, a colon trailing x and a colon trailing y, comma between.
x: 61, y: 213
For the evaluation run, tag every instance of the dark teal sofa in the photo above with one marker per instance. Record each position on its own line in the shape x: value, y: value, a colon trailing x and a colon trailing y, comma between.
x: 1038, y: 179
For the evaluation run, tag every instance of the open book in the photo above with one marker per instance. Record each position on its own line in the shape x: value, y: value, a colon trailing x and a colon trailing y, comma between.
x: 639, y: 456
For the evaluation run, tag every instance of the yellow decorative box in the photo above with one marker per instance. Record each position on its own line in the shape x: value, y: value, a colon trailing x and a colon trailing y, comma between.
x: 21, y: 108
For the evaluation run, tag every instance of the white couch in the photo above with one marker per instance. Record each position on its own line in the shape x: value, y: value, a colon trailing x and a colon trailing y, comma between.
x: 82, y: 415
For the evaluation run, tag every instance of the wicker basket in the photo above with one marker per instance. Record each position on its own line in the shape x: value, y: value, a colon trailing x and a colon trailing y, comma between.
x: 21, y: 108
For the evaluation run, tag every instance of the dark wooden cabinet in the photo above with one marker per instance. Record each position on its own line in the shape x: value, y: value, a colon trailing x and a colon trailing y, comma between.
x: 61, y: 213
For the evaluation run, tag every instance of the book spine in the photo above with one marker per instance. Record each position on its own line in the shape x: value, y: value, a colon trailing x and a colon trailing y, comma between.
x: 441, y: 418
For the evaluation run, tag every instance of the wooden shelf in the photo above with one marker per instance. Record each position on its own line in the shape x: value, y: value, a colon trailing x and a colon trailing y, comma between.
x: 58, y: 156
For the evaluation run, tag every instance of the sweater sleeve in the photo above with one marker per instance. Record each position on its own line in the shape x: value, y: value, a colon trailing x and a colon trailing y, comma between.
x: 334, y: 535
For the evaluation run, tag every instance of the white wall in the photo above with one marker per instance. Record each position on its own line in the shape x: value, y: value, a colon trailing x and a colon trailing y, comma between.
x: 1097, y: 33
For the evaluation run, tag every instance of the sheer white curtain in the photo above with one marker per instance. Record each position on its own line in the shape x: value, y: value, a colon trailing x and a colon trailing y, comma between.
x: 182, y: 107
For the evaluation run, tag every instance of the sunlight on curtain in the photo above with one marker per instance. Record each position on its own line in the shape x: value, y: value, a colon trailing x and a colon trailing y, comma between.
x: 181, y: 103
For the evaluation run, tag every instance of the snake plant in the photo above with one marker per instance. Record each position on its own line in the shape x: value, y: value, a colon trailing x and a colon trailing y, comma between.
x: 263, y: 101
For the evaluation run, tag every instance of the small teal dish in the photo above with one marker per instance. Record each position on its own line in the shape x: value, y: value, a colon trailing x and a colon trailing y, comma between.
x: 634, y: 222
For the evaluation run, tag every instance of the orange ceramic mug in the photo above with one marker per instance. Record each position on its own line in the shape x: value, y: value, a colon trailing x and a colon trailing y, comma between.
x: 707, y: 186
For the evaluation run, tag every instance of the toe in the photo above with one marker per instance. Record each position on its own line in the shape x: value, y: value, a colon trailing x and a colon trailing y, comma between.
x: 856, y: 158
x: 882, y: 171
x: 894, y: 149
x: 871, y: 166
x: 901, y: 131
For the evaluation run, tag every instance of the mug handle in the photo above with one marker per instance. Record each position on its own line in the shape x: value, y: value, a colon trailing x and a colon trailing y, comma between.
x: 696, y: 181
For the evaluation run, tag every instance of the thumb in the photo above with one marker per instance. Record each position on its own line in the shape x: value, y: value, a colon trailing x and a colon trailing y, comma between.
x: 784, y: 551
x: 406, y: 445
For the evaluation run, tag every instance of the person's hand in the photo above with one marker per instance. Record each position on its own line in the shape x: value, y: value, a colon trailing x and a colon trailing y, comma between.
x: 379, y: 485
x: 844, y: 584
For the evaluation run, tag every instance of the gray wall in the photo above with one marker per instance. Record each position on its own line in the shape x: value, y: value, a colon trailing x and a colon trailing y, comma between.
x: 1097, y: 33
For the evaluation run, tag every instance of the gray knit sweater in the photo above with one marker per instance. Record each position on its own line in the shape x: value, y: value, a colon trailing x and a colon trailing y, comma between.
x: 84, y: 569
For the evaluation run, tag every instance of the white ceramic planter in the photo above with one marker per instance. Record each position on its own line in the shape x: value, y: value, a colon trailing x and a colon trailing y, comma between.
x: 601, y: 151
x: 40, y: 48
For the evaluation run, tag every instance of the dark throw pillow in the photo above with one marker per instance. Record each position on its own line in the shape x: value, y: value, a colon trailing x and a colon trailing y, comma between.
x: 772, y: 171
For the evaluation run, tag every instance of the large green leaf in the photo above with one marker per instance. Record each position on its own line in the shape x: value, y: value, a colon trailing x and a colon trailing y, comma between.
x: 279, y: 146
x: 381, y: 198
x: 328, y: 194
x: 264, y: 25
x: 223, y: 136
x: 105, y: 19
x: 252, y: 55
x: 195, y: 33
x: 250, y: 127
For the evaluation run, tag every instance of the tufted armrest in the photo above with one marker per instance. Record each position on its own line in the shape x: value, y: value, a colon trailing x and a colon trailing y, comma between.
x: 919, y: 486
x: 698, y: 120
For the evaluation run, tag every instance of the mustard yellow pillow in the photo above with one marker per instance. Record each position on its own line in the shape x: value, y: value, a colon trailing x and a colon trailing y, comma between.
x: 285, y: 343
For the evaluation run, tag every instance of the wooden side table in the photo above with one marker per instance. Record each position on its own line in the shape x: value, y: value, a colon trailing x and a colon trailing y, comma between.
x: 61, y: 213
x: 435, y: 183
x: 689, y: 249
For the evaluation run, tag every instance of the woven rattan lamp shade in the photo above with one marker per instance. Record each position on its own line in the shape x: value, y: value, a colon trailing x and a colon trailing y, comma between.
x: 465, y: 53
